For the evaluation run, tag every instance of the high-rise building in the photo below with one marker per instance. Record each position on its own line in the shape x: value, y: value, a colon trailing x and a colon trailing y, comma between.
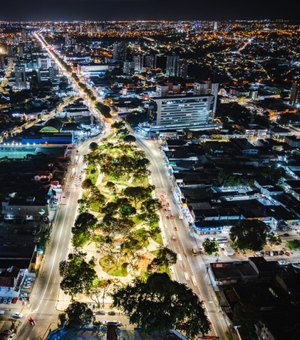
x: 179, y: 112
x: 20, y: 76
x: 138, y: 63
x: 10, y: 50
x: 215, y: 26
x: 128, y: 67
x: 119, y: 51
x: 150, y: 61
x: 214, y: 89
x: 2, y: 62
x: 295, y: 94
x: 172, y: 65
x: 20, y: 51
x: 44, y: 63
x: 205, y: 88
x: 182, y: 69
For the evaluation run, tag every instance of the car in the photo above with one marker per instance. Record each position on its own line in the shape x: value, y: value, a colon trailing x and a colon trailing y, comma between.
x: 14, y: 300
x: 287, y: 253
x: 101, y: 312
x: 286, y: 234
x: 4, y: 300
x: 17, y: 315
x: 195, y: 252
x: 31, y: 321
x: 111, y: 312
x: 282, y: 262
x: 12, y: 336
x: 275, y: 253
x: 173, y: 238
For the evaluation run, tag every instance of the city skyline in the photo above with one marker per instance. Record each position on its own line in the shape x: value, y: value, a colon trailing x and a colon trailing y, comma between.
x: 145, y: 9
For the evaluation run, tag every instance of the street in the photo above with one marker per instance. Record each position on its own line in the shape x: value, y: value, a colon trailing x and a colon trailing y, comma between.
x: 189, y: 269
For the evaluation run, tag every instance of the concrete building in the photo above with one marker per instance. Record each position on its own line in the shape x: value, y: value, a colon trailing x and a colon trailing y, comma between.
x: 25, y: 209
x: 295, y: 94
x: 179, y: 112
x: 20, y: 77
x: 138, y: 61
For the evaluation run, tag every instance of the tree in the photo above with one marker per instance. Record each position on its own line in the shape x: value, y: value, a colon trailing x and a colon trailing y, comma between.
x: 87, y: 184
x: 160, y: 304
x: 83, y: 226
x: 93, y: 146
x: 274, y: 239
x: 293, y: 244
x: 77, y: 315
x: 78, y: 276
x: 151, y: 205
x: 210, y: 246
x: 138, y: 193
x: 250, y: 234
x: 165, y: 257
x: 129, y: 139
x: 85, y: 221
x: 118, y: 125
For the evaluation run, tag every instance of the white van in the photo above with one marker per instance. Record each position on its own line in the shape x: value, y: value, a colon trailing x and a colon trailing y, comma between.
x: 2, y: 311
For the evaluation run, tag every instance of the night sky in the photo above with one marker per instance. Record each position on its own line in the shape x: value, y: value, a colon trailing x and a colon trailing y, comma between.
x: 147, y: 9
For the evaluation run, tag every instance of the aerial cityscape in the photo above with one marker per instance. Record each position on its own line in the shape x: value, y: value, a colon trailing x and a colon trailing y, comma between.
x: 149, y: 177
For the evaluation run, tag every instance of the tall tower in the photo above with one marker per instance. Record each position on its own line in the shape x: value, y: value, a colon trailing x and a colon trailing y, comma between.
x: 295, y: 94
x: 172, y: 65
x: 20, y: 76
x: 215, y: 26
x: 138, y: 63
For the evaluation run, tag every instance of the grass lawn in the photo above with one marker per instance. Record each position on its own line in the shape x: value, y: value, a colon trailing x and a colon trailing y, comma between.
x: 109, y: 265
x: 157, y: 238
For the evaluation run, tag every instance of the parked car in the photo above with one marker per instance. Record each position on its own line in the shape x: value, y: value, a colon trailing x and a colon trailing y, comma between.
x: 101, y: 312
x: 14, y: 300
x: 111, y: 312
x: 17, y: 315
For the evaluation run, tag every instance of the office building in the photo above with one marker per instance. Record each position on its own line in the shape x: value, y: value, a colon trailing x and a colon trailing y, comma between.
x: 182, y: 69
x: 180, y: 112
x: 2, y: 62
x: 20, y: 77
x: 138, y: 63
x: 44, y: 63
x: 295, y: 94
x: 150, y: 61
x: 119, y: 51
x: 128, y: 67
x: 172, y: 65
x: 205, y: 88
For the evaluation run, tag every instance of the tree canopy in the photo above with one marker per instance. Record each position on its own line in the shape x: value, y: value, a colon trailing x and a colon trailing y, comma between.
x: 250, y: 234
x: 77, y: 315
x: 210, y: 246
x: 78, y: 276
x: 160, y: 304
